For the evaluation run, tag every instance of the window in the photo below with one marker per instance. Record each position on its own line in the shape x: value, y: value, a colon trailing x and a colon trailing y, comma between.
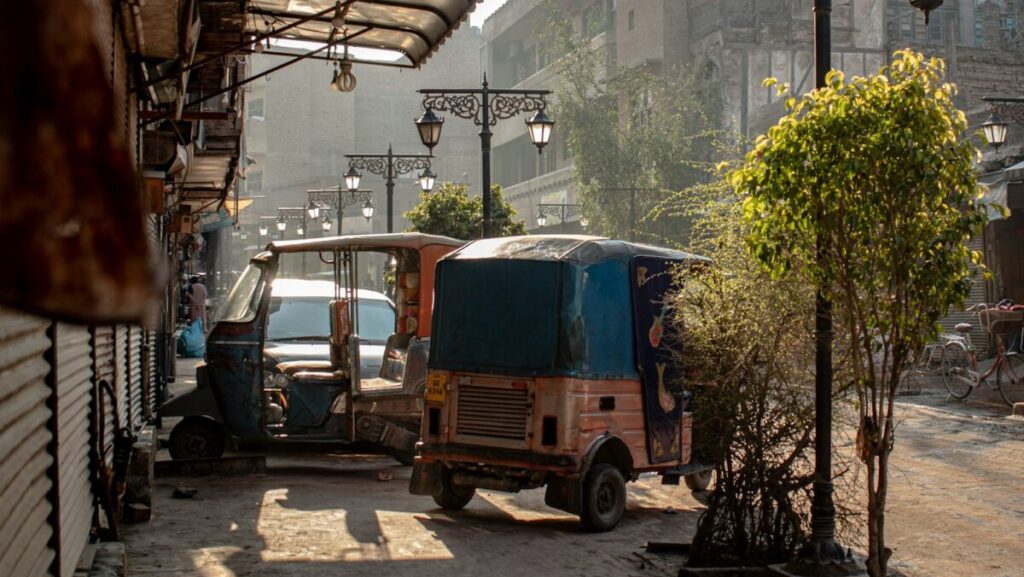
x: 256, y: 109
x: 594, y: 21
x: 300, y: 318
x: 254, y: 181
x: 632, y: 22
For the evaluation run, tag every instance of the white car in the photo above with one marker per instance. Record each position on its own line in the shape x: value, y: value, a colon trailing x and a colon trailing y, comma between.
x: 299, y: 329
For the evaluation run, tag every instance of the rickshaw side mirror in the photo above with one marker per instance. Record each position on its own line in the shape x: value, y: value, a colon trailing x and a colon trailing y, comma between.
x: 341, y: 330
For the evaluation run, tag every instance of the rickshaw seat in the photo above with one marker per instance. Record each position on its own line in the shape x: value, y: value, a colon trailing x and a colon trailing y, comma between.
x: 313, y: 371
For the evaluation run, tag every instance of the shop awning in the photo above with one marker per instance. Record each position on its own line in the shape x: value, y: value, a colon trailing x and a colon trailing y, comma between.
x: 399, y: 32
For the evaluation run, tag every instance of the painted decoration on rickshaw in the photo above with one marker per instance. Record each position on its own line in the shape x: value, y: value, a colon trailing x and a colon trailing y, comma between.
x: 661, y: 378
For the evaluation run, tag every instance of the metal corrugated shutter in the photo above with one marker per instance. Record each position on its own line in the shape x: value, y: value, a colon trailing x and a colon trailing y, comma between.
x: 25, y: 531
x: 135, y: 391
x: 151, y: 381
x: 977, y: 295
x: 103, y: 369
x: 121, y: 375
x: 74, y: 386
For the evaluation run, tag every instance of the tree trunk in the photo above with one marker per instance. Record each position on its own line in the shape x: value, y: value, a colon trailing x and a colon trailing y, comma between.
x: 878, y: 470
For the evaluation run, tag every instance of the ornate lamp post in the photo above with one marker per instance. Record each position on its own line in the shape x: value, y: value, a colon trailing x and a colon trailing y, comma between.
x: 563, y: 212
x: 297, y: 214
x: 338, y: 198
x: 995, y: 127
x: 484, y: 106
x: 389, y: 166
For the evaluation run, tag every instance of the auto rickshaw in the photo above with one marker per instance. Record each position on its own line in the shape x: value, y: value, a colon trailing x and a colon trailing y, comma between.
x: 549, y: 366
x: 305, y: 382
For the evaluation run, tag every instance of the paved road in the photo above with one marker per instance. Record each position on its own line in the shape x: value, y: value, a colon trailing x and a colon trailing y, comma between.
x: 956, y: 508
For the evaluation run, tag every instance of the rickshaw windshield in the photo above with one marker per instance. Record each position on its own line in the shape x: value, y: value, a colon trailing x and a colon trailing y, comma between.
x: 243, y: 300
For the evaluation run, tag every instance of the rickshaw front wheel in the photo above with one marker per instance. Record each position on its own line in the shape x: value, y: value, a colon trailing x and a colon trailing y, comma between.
x: 604, y: 498
x: 196, y: 438
x: 453, y: 497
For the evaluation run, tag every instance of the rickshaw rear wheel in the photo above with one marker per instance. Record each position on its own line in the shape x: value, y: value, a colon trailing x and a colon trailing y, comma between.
x: 698, y: 482
x: 196, y: 438
x: 453, y: 497
x: 604, y: 498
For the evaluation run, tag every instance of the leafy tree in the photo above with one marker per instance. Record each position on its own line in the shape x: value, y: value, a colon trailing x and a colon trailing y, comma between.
x: 874, y: 174
x: 451, y: 212
x: 653, y: 132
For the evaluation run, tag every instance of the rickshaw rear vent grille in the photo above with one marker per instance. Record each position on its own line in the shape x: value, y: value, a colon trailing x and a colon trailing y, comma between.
x: 492, y: 412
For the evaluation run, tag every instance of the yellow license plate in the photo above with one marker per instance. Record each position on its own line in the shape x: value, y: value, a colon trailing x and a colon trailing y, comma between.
x: 437, y: 383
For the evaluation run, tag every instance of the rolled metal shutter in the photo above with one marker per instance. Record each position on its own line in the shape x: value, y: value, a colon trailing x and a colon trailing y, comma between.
x: 25, y: 531
x: 135, y: 390
x: 151, y: 381
x: 74, y: 366
x: 979, y: 337
x: 121, y: 375
x: 103, y: 370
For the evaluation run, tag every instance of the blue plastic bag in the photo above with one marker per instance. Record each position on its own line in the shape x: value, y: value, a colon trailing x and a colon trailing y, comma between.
x: 191, y: 342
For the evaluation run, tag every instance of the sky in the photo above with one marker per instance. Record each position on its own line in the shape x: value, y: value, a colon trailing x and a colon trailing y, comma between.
x: 483, y: 10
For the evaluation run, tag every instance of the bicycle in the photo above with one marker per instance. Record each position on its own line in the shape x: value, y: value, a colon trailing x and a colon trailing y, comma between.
x: 960, y: 359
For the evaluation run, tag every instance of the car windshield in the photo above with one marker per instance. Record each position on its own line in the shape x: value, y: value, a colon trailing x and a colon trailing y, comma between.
x: 308, y: 318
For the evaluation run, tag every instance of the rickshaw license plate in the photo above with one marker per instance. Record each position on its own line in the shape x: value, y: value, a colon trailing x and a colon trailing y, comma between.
x: 436, y: 384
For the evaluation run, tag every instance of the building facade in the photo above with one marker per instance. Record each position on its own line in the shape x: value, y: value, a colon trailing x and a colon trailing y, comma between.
x: 739, y: 43
x: 298, y: 131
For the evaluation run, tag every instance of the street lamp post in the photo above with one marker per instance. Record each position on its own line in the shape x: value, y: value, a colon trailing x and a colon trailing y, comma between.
x: 298, y: 214
x: 338, y: 198
x: 266, y: 224
x: 822, y: 555
x: 485, y: 106
x: 995, y: 127
x: 389, y: 166
x: 561, y: 211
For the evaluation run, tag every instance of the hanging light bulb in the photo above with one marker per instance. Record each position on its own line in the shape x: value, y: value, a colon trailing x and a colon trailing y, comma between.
x: 338, y: 21
x: 301, y: 231
x: 345, y: 80
x: 257, y: 45
x: 327, y: 224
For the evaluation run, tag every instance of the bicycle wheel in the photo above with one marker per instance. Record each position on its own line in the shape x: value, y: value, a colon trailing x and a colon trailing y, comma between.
x: 956, y: 370
x: 1010, y: 379
x: 911, y: 382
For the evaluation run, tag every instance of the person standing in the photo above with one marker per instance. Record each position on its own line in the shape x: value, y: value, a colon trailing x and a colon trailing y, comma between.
x: 197, y: 301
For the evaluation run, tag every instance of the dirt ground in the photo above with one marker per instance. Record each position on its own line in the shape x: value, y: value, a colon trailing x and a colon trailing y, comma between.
x: 957, y: 508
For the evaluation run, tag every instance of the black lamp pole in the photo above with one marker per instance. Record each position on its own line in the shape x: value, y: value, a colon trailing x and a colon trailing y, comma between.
x: 389, y: 166
x: 822, y: 549
x: 485, y: 106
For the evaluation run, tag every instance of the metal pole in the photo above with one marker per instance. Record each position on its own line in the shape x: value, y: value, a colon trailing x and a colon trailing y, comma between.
x: 822, y: 555
x: 305, y: 232
x: 485, y: 154
x: 391, y: 188
x: 632, y: 214
x: 341, y: 208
